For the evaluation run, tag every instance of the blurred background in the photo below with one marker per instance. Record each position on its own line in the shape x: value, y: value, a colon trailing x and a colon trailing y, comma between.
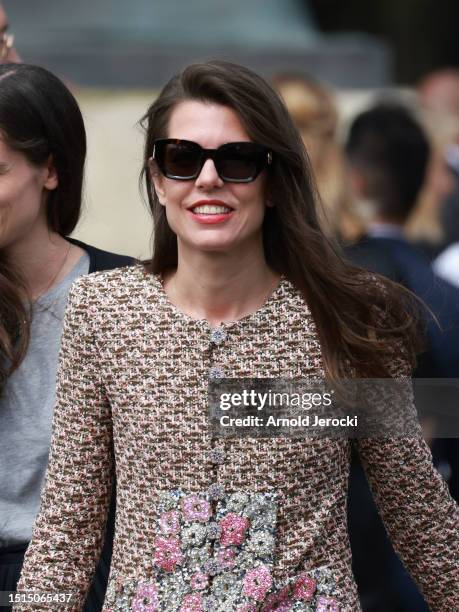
x: 117, y: 54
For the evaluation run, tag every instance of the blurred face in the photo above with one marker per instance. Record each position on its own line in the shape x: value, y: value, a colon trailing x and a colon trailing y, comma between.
x: 7, y: 51
x: 23, y: 190
x: 207, y: 213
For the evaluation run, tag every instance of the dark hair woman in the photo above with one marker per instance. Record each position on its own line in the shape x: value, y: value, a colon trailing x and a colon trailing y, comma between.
x: 42, y: 155
x: 242, y: 284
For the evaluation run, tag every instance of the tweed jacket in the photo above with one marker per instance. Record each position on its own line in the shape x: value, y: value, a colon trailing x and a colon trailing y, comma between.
x: 242, y: 525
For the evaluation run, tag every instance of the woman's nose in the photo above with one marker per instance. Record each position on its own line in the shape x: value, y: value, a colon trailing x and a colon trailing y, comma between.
x: 208, y: 177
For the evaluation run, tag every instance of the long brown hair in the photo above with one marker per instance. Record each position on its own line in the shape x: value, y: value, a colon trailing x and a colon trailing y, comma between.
x: 357, y: 317
x: 39, y: 118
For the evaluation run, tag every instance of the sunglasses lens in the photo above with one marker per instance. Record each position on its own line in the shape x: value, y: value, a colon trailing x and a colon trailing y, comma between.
x: 238, y: 162
x: 180, y: 160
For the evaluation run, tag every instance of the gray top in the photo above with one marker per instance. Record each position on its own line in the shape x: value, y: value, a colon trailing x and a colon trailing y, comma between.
x: 26, y: 408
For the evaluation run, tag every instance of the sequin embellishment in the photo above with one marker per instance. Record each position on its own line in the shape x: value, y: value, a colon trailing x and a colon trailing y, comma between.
x: 218, y: 557
x: 217, y: 456
x: 218, y: 335
x: 216, y: 373
x: 216, y: 491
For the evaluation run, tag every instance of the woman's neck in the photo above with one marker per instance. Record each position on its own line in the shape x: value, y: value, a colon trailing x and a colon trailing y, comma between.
x: 43, y: 260
x: 220, y: 286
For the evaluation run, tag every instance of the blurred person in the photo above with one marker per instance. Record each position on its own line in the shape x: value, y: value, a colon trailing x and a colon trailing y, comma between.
x: 425, y: 227
x: 449, y: 212
x: 8, y: 53
x: 438, y: 96
x: 313, y: 110
x: 42, y: 156
x: 446, y: 264
x: 388, y: 155
x: 439, y: 91
x: 242, y: 284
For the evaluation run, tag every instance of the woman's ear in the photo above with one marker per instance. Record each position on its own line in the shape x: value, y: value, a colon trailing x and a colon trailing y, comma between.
x: 51, y: 178
x: 157, y: 181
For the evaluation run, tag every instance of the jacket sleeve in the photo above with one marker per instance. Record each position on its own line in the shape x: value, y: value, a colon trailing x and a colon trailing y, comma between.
x: 419, y: 514
x: 68, y: 532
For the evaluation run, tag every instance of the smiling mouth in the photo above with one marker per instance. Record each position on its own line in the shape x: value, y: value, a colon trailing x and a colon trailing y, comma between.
x: 211, y: 209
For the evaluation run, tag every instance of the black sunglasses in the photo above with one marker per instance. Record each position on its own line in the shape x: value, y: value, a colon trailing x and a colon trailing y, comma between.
x: 235, y: 162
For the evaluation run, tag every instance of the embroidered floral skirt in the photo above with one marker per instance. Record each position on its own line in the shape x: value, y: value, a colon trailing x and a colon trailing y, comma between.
x: 215, y: 552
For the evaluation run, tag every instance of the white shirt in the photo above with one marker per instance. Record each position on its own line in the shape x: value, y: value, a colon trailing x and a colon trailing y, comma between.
x: 446, y: 265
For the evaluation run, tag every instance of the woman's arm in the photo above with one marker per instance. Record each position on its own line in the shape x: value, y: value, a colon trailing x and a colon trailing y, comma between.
x: 419, y: 514
x: 68, y: 532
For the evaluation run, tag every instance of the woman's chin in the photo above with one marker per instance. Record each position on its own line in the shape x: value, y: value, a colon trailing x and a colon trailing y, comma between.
x: 212, y: 245
x: 215, y: 247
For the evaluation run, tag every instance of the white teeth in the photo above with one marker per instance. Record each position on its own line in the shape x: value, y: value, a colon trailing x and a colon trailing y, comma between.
x: 208, y: 209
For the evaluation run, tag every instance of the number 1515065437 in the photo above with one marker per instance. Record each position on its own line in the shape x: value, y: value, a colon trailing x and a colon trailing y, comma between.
x: 11, y: 598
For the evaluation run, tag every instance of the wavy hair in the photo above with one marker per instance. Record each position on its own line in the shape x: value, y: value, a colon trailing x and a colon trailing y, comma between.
x: 357, y: 317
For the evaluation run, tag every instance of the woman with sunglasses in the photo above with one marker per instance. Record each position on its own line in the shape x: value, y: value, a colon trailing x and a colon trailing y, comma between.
x: 42, y: 155
x: 242, y: 284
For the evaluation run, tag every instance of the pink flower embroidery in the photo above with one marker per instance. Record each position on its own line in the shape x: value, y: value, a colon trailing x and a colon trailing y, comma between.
x: 246, y: 608
x: 192, y: 603
x: 257, y: 582
x: 304, y: 588
x: 233, y: 529
x: 196, y: 509
x: 167, y: 553
x: 327, y: 604
x: 227, y: 558
x: 146, y: 598
x: 278, y: 602
x: 170, y: 522
x: 199, y: 581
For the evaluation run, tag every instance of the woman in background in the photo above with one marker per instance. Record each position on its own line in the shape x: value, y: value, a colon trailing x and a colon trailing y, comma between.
x: 42, y: 156
x: 313, y: 109
x: 8, y: 53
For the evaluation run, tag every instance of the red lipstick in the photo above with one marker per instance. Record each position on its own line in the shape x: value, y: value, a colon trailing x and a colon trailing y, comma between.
x: 210, y: 212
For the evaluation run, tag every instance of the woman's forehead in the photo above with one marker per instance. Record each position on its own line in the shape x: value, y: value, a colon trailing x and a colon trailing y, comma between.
x: 207, y: 123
